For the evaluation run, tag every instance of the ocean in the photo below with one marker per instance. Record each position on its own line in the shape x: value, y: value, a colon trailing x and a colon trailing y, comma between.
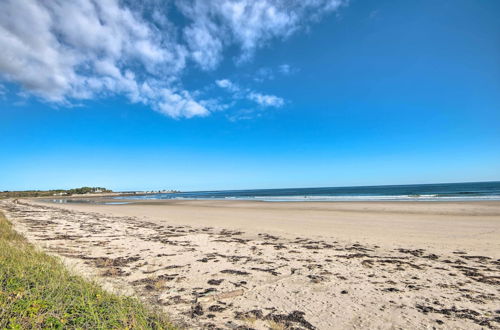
x: 469, y: 191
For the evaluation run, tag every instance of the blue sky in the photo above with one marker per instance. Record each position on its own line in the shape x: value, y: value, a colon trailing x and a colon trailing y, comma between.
x: 231, y: 94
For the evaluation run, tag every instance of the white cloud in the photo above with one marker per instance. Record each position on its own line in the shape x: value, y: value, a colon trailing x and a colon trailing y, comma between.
x: 83, y: 49
x: 263, y: 100
x: 285, y: 69
x: 179, y: 105
x: 227, y: 84
x: 248, y: 24
x: 65, y: 51
x: 266, y: 100
x: 267, y: 73
x: 208, y: 50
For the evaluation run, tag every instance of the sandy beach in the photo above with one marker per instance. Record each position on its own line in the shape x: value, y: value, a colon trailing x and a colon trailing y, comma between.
x: 301, y: 265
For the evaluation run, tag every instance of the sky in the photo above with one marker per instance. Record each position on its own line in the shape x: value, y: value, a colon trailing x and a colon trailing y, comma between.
x: 235, y: 94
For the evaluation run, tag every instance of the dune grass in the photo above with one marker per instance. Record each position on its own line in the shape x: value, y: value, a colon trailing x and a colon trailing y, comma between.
x: 37, y: 291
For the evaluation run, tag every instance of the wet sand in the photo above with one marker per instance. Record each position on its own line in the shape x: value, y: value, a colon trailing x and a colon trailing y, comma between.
x: 232, y: 264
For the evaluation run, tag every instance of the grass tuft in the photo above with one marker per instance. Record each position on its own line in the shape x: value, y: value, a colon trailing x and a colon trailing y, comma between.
x: 37, y: 291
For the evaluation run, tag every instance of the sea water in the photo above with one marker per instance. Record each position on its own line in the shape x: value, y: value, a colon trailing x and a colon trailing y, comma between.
x: 469, y: 191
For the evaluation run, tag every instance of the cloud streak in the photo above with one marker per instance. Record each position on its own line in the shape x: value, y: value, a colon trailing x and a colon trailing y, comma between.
x: 263, y: 100
x: 62, y: 51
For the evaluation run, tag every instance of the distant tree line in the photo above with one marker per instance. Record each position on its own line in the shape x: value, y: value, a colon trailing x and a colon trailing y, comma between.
x: 54, y: 192
x: 87, y: 190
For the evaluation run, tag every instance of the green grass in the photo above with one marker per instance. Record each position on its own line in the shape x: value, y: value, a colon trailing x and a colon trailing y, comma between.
x: 37, y: 291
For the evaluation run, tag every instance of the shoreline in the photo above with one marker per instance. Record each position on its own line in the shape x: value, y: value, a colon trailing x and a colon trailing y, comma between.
x: 259, y: 265
x: 438, y: 225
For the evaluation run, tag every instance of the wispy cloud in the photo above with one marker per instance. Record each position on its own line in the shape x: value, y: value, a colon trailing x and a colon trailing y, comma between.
x: 285, y: 69
x: 227, y: 84
x: 262, y: 100
x: 249, y: 24
x: 263, y: 74
x: 244, y: 114
x: 65, y: 51
x: 266, y: 100
x: 267, y: 73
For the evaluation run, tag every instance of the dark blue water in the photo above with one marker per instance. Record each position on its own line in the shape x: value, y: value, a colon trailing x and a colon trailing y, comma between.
x: 423, y: 192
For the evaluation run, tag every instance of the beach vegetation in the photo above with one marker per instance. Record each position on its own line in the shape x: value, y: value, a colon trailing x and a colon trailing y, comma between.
x: 53, y: 192
x: 37, y: 291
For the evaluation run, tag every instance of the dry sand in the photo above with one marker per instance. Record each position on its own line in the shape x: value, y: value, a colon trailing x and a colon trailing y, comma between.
x: 231, y: 264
